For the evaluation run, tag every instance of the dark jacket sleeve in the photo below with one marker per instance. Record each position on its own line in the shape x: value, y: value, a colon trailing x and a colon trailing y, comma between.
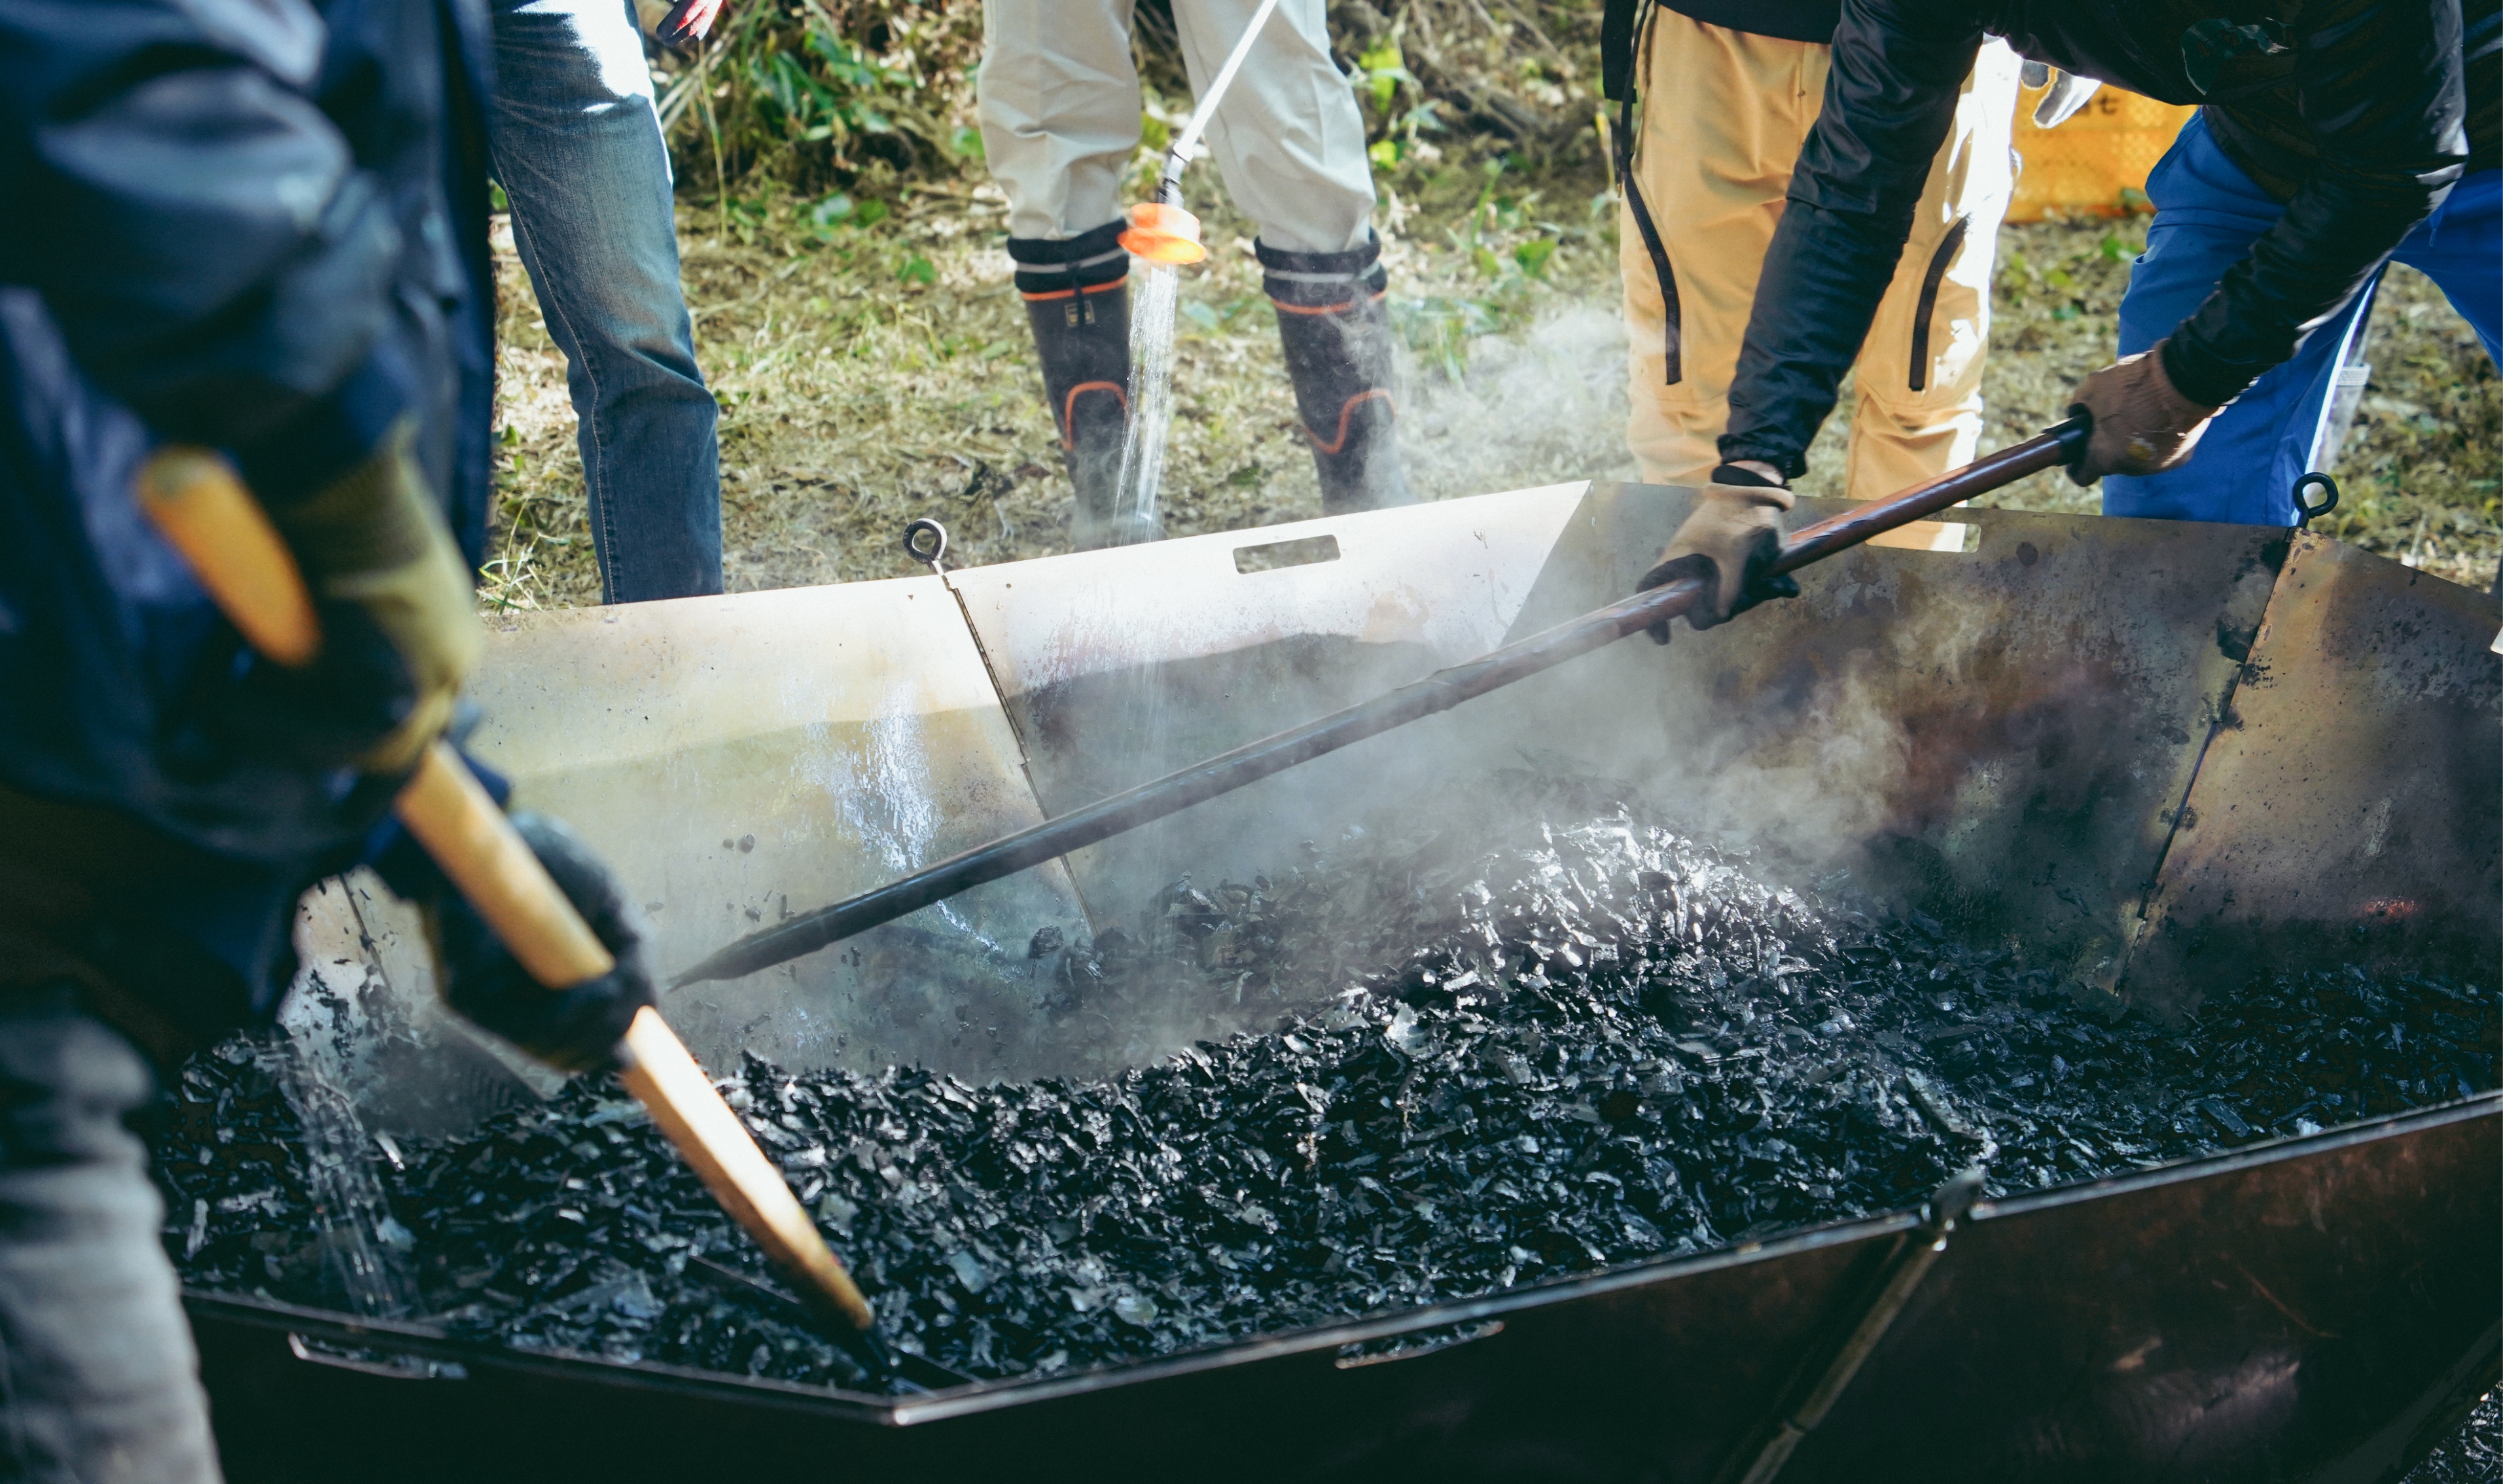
x: 1890, y: 100
x: 192, y: 221
x: 2381, y: 88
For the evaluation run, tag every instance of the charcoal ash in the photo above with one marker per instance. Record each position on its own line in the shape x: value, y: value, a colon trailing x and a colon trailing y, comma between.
x: 1599, y: 1045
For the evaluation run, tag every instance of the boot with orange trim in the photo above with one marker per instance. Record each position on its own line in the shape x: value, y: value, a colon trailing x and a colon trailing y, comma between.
x: 1337, y: 337
x: 1077, y: 296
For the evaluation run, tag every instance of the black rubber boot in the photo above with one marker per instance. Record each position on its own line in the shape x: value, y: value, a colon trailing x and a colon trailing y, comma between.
x: 1076, y: 297
x: 1337, y: 337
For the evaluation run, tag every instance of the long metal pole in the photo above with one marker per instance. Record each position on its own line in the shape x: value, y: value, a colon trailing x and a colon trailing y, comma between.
x: 1437, y: 692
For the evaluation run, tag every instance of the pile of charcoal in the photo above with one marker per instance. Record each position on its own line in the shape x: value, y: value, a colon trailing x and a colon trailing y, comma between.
x: 1603, y: 1043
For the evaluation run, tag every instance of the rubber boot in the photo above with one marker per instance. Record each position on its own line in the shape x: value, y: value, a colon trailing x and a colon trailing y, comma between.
x: 1337, y: 337
x: 1076, y: 297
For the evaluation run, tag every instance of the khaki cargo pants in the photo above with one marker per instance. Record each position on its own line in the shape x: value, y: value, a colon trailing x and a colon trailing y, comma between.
x: 1723, y: 117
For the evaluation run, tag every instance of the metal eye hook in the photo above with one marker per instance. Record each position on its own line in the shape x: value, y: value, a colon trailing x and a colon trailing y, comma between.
x: 2305, y: 512
x: 930, y: 552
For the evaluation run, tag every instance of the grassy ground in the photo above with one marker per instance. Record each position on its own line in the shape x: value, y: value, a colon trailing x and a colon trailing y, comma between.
x: 872, y: 374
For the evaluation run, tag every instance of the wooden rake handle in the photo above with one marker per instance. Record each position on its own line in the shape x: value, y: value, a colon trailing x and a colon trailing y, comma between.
x: 202, y: 508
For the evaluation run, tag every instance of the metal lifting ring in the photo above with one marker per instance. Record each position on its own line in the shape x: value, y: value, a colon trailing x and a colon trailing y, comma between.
x: 934, y: 550
x: 2305, y: 512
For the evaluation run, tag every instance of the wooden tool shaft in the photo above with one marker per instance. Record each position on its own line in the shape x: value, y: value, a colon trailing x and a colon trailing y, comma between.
x: 205, y: 512
x: 498, y: 873
x: 682, y: 1101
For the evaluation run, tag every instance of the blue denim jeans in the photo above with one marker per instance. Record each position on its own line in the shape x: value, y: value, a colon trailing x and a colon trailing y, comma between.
x: 577, y: 147
x: 98, y: 1381
x: 2208, y: 213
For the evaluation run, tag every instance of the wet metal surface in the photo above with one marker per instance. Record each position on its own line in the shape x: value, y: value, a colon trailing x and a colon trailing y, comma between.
x: 1119, y: 665
x: 739, y: 758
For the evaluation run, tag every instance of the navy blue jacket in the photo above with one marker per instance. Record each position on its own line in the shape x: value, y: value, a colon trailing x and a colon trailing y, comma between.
x: 258, y: 224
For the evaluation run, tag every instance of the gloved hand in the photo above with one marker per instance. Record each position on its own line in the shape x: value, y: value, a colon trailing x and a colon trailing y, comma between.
x: 574, y: 1029
x: 1734, y: 532
x: 399, y: 623
x: 2142, y: 426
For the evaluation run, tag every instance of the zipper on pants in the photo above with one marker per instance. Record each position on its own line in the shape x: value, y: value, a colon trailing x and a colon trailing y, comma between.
x: 1928, y: 302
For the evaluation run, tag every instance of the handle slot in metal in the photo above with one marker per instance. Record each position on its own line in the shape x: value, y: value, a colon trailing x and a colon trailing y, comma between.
x: 1270, y: 556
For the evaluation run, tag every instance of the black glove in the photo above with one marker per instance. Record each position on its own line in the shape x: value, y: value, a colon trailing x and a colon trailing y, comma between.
x: 1732, y: 534
x: 574, y: 1029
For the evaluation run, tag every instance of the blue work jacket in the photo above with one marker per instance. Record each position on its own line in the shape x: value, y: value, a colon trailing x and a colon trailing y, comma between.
x: 258, y: 225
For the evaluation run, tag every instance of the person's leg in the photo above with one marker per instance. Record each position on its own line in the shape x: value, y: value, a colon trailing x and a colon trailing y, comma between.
x: 2461, y: 248
x: 1287, y: 137
x: 578, y: 150
x: 1059, y: 104
x: 1919, y: 372
x: 1290, y: 142
x: 1722, y: 114
x: 98, y: 1380
x: 2207, y: 215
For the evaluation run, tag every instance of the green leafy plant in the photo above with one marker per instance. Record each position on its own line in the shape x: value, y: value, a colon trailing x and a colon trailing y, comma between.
x: 857, y: 97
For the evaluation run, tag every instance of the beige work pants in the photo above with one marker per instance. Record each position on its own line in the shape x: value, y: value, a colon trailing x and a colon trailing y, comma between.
x: 1059, y: 101
x: 1723, y: 117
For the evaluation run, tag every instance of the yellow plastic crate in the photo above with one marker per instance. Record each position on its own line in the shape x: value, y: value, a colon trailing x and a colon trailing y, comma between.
x: 2083, y: 167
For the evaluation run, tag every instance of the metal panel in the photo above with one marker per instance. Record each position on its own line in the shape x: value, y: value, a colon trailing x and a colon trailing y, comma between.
x: 1119, y: 665
x: 2351, y: 804
x: 1996, y: 737
x: 735, y: 758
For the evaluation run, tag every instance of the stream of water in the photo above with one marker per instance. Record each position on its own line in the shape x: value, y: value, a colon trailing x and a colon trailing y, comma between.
x: 1143, y: 448
x: 363, y: 1247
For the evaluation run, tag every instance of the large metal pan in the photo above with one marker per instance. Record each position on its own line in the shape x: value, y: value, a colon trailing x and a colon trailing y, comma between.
x: 2154, y: 754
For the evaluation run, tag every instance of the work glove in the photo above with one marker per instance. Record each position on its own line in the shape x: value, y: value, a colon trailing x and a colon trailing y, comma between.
x: 399, y: 623
x: 2141, y: 425
x: 573, y: 1029
x: 1730, y: 536
x: 2064, y: 93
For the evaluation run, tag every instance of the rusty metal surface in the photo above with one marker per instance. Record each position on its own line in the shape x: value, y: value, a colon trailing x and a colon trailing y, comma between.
x: 1996, y: 737
x: 2273, y: 1319
x: 2351, y: 804
x: 2290, y: 1312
